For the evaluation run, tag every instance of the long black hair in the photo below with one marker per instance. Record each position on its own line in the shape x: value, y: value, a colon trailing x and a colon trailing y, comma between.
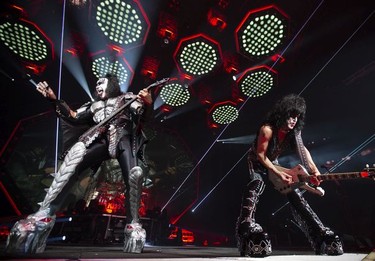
x: 113, y: 89
x: 291, y: 105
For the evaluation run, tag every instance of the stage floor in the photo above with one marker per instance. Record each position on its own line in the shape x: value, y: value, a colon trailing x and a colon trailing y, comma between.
x: 165, y: 253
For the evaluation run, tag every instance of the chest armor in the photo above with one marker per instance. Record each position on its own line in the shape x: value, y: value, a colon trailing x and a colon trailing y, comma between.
x: 119, y: 125
x: 102, y: 109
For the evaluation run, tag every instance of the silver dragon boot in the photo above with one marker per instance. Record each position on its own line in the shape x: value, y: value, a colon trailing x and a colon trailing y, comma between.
x: 135, y: 235
x: 30, y: 235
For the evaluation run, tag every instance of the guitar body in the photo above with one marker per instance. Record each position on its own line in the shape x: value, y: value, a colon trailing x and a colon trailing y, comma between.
x: 299, y: 175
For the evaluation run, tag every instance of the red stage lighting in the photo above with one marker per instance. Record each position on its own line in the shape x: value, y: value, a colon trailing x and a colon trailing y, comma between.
x: 34, y: 68
x: 150, y: 67
x: 204, y: 94
x: 230, y: 63
x: 167, y: 28
x: 216, y: 19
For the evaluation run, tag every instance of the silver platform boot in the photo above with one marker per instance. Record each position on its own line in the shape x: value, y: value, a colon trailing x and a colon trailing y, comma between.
x: 135, y: 235
x: 30, y: 235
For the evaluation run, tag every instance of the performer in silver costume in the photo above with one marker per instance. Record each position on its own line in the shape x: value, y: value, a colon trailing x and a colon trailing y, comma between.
x: 279, y: 133
x: 120, y: 138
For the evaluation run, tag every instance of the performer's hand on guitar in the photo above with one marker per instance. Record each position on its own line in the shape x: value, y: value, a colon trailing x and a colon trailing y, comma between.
x: 145, y: 95
x: 45, y: 90
x: 314, y: 180
x: 285, y: 177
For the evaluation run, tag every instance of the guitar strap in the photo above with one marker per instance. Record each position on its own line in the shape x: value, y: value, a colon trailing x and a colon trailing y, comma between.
x: 301, y: 150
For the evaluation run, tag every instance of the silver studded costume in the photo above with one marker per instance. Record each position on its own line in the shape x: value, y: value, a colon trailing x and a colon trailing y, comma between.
x: 122, y: 139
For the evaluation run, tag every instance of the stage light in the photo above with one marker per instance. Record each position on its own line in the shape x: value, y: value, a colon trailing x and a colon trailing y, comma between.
x: 237, y: 140
x: 54, y: 239
x: 123, y: 22
x: 231, y: 63
x: 26, y: 40
x: 106, y: 62
x: 150, y: 67
x: 224, y: 113
x: 102, y: 65
x: 197, y: 55
x: 167, y: 28
x: 63, y: 219
x: 257, y: 81
x: 174, y: 94
x: 216, y: 19
x: 261, y: 32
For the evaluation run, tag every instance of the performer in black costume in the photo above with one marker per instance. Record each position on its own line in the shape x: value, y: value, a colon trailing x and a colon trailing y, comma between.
x: 278, y: 134
x: 121, y: 138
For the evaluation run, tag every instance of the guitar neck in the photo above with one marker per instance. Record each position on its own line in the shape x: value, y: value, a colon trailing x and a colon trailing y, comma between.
x: 120, y: 109
x: 337, y: 176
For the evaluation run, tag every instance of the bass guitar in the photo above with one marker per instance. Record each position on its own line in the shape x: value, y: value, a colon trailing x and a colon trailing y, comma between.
x: 303, y: 180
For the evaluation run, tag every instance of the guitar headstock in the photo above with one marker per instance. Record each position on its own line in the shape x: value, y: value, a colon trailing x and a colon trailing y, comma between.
x: 158, y: 83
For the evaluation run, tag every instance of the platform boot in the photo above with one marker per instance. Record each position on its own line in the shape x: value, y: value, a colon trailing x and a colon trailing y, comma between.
x: 322, y: 239
x: 30, y: 235
x: 251, y: 239
x: 134, y: 234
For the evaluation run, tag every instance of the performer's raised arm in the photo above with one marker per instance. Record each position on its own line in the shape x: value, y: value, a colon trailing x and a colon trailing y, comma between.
x: 61, y: 107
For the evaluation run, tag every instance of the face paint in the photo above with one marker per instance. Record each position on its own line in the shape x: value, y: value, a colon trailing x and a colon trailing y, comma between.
x: 101, y: 87
x: 291, y: 122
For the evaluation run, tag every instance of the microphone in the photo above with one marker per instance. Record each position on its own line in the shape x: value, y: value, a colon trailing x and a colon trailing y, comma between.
x: 31, y: 80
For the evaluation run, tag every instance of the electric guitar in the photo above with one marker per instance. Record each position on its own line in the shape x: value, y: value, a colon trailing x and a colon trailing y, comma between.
x: 302, y: 179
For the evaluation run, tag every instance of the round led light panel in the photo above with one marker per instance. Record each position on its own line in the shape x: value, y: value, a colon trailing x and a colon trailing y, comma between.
x: 174, y: 94
x: 256, y: 83
x: 102, y: 65
x: 120, y: 21
x: 23, y: 41
x: 225, y: 114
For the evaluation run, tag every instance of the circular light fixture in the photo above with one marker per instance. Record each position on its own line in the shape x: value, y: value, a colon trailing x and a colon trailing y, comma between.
x: 224, y: 114
x: 261, y: 32
x: 197, y: 55
x: 121, y: 22
x: 256, y: 84
x: 174, y: 94
x: 257, y: 81
x: 198, y: 58
x: 103, y: 65
x: 25, y: 40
